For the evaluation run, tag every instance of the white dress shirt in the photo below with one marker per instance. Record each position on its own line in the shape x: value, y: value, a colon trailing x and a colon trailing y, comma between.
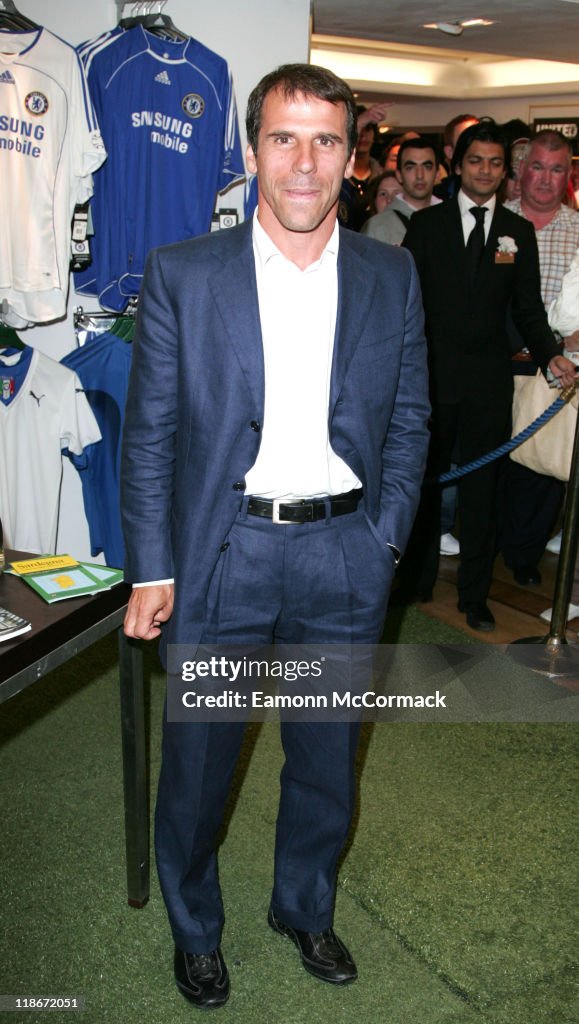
x: 468, y: 221
x: 297, y: 310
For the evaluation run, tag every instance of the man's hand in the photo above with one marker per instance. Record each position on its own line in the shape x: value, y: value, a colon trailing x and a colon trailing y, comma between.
x: 563, y: 370
x: 373, y: 115
x: 148, y: 607
x: 572, y: 342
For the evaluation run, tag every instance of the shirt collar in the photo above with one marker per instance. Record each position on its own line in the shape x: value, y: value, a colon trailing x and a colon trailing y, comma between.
x: 465, y: 204
x: 265, y: 249
x: 516, y: 206
x: 407, y: 205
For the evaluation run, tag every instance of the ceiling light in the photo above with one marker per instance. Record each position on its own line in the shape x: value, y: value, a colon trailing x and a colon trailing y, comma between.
x: 451, y: 28
x: 455, y: 28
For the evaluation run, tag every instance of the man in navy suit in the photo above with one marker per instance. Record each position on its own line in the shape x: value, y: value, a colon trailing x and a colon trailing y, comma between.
x: 274, y: 446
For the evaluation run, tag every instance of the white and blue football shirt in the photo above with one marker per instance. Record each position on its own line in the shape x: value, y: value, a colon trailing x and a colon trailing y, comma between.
x: 43, y: 414
x: 49, y: 146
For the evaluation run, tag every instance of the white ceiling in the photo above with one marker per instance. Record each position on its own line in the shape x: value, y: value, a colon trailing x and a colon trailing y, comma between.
x: 541, y: 29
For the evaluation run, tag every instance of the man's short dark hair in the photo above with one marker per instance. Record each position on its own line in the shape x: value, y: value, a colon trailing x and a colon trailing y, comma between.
x: 486, y: 130
x: 516, y: 130
x: 308, y: 80
x: 419, y: 143
x: 448, y: 133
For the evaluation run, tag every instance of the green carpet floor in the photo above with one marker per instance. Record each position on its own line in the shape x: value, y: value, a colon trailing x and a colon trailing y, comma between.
x: 457, y: 892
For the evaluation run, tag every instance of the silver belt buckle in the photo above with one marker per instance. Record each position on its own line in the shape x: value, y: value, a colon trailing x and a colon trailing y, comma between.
x: 276, y: 502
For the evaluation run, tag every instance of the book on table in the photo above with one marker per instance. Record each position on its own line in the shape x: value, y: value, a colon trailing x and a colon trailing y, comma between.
x: 57, y: 577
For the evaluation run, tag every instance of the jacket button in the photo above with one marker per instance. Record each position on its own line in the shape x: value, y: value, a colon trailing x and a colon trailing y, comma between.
x: 255, y: 425
x: 224, y: 546
x: 239, y: 485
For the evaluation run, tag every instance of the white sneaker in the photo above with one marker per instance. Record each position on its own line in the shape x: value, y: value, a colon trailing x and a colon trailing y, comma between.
x: 554, y: 545
x: 572, y: 613
x: 449, y: 545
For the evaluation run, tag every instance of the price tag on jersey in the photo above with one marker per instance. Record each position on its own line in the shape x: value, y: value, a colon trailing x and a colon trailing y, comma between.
x: 79, y: 229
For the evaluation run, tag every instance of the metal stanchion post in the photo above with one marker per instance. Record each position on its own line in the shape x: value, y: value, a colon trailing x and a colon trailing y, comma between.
x: 558, y: 658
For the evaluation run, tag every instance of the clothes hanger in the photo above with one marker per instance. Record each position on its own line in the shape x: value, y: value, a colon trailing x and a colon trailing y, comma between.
x: 12, y: 20
x: 158, y: 23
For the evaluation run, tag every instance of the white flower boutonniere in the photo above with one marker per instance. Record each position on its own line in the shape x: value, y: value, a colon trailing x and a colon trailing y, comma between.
x: 507, y: 244
x: 506, y: 250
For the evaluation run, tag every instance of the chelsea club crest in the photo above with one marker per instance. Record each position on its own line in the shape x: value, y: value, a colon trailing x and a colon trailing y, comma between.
x: 193, y: 104
x: 36, y: 103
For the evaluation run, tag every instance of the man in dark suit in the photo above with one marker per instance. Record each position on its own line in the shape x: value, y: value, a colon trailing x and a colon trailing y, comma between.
x: 274, y: 446
x: 474, y: 259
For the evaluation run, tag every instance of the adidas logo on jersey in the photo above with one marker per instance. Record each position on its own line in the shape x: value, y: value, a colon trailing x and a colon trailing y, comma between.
x: 163, y: 78
x: 7, y: 78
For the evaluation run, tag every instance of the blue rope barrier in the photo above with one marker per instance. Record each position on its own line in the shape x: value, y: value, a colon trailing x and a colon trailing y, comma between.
x: 508, y: 446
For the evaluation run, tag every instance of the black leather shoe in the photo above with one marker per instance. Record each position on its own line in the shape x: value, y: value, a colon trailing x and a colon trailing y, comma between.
x: 323, y: 954
x: 478, y: 616
x: 202, y: 978
x: 527, y: 574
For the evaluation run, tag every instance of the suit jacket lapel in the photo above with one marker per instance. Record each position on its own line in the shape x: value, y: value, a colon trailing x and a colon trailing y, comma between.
x: 455, y: 240
x: 495, y: 229
x: 487, y: 262
x: 236, y: 278
x: 356, y: 285
x: 234, y: 288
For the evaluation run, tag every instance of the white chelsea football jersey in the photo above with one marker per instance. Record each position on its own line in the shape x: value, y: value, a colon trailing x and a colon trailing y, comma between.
x: 49, y: 146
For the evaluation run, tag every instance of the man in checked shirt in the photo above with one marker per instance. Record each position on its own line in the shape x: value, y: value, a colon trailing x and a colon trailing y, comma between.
x: 531, y: 501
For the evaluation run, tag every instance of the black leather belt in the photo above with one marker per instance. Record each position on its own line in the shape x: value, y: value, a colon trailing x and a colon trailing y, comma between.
x: 307, y: 510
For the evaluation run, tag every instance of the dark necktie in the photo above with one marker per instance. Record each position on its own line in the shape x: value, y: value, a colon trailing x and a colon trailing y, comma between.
x: 476, y: 241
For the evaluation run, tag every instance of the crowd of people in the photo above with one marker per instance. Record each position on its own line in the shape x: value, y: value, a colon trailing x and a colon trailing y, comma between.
x: 480, y: 189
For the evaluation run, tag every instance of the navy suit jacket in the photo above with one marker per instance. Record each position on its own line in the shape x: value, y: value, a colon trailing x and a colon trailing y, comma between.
x: 196, y: 397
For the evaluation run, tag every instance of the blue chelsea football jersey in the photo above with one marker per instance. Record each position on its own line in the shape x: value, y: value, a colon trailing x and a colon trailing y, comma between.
x: 169, y: 122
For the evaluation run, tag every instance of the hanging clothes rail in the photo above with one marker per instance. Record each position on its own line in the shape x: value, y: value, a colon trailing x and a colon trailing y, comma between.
x: 87, y: 318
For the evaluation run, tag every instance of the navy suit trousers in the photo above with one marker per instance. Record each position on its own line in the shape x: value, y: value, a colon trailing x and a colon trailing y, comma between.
x: 317, y: 583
